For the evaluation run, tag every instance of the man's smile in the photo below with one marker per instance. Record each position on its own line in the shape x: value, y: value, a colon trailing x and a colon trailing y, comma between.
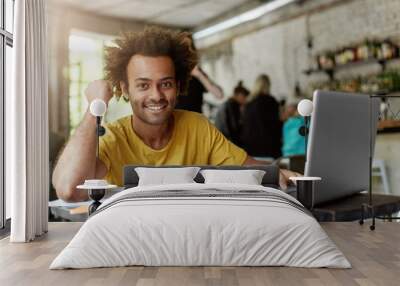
x: 155, y: 108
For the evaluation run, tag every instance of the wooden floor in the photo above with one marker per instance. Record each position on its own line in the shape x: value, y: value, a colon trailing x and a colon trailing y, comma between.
x: 374, y: 255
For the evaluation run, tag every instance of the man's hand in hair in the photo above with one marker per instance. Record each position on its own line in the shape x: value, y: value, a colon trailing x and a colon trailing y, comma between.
x: 98, y: 89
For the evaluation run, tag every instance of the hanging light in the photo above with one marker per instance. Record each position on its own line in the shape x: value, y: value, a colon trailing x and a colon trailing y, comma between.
x: 242, y: 18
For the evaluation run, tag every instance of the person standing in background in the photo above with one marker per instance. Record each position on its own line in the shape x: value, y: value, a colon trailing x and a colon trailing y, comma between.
x: 262, y: 127
x: 293, y: 142
x: 229, y: 116
x: 199, y: 84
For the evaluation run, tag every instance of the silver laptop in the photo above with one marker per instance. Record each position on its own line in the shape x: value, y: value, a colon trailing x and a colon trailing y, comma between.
x: 339, y: 143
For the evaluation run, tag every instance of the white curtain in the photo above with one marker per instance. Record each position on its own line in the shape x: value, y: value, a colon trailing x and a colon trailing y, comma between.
x: 27, y: 124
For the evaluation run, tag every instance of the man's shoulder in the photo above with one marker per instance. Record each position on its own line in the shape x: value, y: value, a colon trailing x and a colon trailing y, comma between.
x: 122, y: 122
x: 118, y: 128
x: 189, y: 116
x: 191, y: 122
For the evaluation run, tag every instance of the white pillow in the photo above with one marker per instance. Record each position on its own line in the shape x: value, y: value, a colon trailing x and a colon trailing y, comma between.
x: 163, y: 176
x: 248, y: 177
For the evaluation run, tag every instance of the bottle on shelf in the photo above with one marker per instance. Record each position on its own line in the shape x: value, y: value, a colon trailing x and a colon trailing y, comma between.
x: 326, y: 61
x: 387, y: 50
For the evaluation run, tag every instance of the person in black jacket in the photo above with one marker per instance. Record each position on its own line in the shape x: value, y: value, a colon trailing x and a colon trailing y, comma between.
x: 262, y: 128
x: 199, y: 84
x: 229, y: 116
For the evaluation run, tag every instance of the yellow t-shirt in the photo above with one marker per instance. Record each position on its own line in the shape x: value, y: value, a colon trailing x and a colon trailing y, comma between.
x: 195, y: 141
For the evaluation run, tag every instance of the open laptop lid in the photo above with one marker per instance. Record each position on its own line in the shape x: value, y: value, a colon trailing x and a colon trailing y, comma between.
x: 339, y: 143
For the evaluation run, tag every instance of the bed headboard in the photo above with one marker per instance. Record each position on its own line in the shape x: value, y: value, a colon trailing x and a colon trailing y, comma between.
x: 270, y: 179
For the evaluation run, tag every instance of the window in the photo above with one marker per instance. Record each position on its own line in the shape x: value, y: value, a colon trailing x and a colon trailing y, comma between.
x: 8, y: 85
x: 86, y: 61
x: 6, y: 44
x: 9, y: 16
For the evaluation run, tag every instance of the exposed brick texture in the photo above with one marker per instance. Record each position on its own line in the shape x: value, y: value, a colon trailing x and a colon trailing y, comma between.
x: 280, y: 50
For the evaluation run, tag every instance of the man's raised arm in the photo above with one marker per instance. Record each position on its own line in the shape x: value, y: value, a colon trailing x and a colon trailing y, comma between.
x: 78, y: 159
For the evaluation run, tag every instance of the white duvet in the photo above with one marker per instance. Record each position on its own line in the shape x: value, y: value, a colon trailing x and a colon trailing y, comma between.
x: 185, y: 230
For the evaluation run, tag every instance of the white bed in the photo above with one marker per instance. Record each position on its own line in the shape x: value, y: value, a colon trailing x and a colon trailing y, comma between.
x: 201, y: 225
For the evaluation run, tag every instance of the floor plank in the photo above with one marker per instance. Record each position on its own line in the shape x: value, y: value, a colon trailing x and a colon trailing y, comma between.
x: 375, y: 257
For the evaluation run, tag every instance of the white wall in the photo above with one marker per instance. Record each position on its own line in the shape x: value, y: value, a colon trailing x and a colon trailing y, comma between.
x: 279, y: 47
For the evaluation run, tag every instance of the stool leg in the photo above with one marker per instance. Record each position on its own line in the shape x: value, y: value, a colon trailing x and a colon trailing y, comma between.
x: 372, y: 227
x: 361, y: 221
x: 96, y: 195
x: 93, y: 207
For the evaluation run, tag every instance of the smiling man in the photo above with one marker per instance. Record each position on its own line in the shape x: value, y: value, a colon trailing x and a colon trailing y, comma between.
x: 151, y: 68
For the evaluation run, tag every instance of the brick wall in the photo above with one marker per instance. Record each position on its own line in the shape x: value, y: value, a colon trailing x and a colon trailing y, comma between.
x: 280, y: 50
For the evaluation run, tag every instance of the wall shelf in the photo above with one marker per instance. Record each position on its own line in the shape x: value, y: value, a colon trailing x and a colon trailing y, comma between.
x: 331, y: 72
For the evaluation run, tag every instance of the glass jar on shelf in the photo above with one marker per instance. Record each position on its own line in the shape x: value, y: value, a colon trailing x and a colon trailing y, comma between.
x: 326, y: 61
x: 340, y: 58
x: 388, y: 50
x: 365, y: 50
x: 350, y: 54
